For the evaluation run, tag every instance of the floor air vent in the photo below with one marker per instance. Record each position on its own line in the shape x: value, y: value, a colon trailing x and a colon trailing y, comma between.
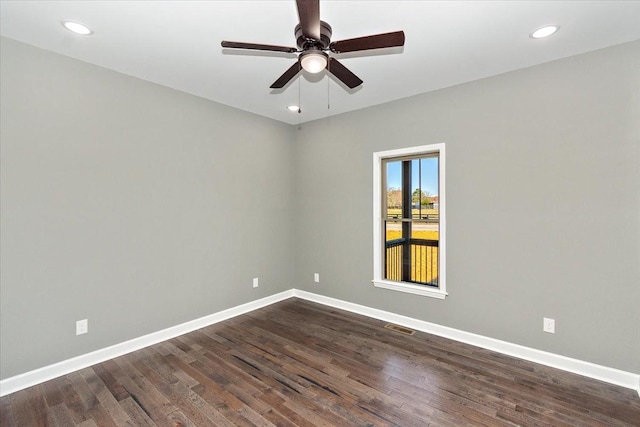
x: 400, y: 329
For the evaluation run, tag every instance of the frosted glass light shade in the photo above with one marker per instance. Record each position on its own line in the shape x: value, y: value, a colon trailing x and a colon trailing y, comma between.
x: 313, y: 62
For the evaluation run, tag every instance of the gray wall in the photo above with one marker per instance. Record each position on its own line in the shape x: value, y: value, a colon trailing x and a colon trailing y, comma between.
x: 139, y: 207
x: 133, y: 205
x: 543, y: 173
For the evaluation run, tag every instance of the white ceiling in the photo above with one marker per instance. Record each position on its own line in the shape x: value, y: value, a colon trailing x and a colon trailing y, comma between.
x: 177, y: 44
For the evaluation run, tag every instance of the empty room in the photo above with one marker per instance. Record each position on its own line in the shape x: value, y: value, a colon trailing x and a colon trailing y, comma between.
x: 319, y: 213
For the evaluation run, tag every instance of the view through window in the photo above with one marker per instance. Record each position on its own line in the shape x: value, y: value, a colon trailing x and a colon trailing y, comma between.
x: 411, y: 215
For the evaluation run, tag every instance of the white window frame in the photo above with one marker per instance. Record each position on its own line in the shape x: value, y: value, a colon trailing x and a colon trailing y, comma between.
x: 378, y: 222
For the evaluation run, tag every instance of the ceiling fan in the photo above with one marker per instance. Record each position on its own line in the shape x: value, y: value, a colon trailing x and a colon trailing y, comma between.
x: 313, y: 38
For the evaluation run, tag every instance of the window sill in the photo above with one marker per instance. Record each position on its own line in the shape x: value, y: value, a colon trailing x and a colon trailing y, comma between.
x: 410, y: 288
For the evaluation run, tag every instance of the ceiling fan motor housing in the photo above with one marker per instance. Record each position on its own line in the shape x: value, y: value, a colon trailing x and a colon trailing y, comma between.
x: 325, y: 37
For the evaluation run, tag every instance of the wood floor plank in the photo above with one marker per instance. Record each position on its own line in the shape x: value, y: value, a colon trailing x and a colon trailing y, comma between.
x: 72, y: 400
x: 107, y: 401
x: 297, y: 363
x: 62, y: 415
x: 22, y: 413
x: 191, y: 408
x: 142, y: 391
x: 6, y: 412
x: 210, y: 390
x: 38, y: 407
x: 137, y: 415
x: 51, y: 393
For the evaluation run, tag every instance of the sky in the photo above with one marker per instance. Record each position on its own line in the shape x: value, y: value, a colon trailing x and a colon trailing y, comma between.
x: 429, y: 175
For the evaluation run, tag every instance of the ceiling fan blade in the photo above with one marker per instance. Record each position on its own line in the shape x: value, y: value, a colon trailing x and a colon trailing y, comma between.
x: 287, y: 76
x: 309, y: 14
x: 256, y: 46
x: 343, y: 74
x: 377, y: 41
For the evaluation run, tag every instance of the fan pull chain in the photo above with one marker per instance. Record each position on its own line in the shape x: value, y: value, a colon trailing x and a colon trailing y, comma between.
x: 299, y: 104
x: 328, y: 93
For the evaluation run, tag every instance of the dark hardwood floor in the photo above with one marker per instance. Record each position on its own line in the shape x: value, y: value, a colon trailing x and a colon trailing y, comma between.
x: 300, y: 363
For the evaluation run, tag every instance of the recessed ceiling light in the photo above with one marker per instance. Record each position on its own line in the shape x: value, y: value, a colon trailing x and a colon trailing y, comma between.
x: 293, y: 108
x: 77, y: 28
x: 545, y: 31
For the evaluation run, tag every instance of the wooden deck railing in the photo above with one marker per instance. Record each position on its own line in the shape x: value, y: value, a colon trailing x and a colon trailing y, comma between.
x: 422, y: 260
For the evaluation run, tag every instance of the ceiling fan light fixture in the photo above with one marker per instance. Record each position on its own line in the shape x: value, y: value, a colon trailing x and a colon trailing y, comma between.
x: 313, y: 61
x: 545, y: 31
x: 313, y: 38
x: 78, y: 28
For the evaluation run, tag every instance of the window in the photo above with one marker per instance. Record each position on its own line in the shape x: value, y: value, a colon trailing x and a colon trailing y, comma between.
x: 409, y: 220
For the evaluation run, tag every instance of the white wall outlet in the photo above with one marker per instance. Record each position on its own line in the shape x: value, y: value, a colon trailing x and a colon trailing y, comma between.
x: 316, y: 277
x: 82, y: 327
x: 255, y: 282
x: 549, y: 325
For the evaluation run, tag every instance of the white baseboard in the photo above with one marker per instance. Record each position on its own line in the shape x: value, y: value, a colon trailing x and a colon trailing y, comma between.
x: 587, y: 369
x: 46, y: 373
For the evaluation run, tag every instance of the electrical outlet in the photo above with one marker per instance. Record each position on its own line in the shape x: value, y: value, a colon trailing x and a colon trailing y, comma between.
x: 255, y: 282
x: 316, y: 277
x: 549, y: 325
x: 82, y: 327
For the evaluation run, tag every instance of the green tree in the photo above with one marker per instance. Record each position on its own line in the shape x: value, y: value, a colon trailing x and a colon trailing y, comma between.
x: 394, y: 197
x: 422, y: 197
